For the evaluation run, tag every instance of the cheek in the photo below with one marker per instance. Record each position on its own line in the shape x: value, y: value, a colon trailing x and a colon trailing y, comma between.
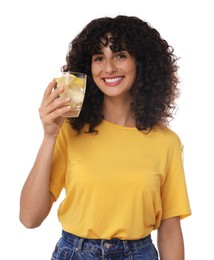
x: 134, y: 69
x: 94, y: 70
x: 94, y: 74
x: 133, y: 72
x: 95, y: 81
x: 130, y: 67
x: 95, y: 77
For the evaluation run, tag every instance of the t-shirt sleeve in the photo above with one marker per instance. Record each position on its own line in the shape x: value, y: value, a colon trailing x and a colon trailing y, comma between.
x: 59, y: 164
x: 174, y: 195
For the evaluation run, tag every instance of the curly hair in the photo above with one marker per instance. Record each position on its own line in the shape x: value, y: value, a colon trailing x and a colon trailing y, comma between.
x: 155, y: 88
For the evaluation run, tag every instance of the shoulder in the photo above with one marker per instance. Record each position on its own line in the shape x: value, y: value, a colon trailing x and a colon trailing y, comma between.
x: 166, y: 135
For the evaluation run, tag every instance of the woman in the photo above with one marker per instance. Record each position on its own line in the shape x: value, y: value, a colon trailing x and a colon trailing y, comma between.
x: 119, y: 162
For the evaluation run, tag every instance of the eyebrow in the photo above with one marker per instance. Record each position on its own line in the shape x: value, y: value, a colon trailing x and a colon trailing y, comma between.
x: 97, y: 53
x: 100, y: 52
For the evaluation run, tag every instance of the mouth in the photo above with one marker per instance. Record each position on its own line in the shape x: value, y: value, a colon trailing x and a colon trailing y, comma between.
x: 113, y: 81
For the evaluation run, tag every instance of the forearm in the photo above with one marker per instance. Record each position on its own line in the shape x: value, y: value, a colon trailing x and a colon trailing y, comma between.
x: 171, y: 249
x: 170, y: 243
x: 36, y: 200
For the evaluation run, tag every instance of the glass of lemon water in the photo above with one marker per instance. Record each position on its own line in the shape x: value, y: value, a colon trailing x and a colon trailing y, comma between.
x: 74, y: 84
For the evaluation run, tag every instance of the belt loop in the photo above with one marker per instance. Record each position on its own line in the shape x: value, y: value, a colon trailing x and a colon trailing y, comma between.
x: 79, y: 246
x: 102, y: 248
x: 126, y: 247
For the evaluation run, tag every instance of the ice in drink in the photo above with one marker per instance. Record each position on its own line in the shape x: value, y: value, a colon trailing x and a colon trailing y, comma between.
x: 74, y: 87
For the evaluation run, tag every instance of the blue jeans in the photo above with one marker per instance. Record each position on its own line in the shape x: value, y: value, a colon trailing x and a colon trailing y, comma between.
x: 70, y: 247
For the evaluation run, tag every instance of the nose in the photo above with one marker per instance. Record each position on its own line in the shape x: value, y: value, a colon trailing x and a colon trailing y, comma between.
x: 110, y: 66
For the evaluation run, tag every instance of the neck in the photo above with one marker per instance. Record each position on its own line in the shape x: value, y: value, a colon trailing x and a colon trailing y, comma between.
x: 118, y: 112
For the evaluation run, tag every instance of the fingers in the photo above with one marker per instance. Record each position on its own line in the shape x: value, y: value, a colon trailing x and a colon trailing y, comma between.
x: 51, y: 105
x: 50, y: 118
x: 50, y: 87
x: 52, y: 109
x: 51, y: 93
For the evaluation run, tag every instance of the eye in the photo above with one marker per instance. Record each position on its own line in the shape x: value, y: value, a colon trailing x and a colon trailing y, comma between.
x: 97, y: 58
x: 121, y: 55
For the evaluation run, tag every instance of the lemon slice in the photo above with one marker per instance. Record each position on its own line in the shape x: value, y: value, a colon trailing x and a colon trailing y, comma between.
x: 66, y: 80
x: 70, y: 81
x: 78, y: 82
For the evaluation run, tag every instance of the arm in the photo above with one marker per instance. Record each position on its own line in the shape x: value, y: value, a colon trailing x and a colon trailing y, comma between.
x: 170, y: 240
x: 36, y: 199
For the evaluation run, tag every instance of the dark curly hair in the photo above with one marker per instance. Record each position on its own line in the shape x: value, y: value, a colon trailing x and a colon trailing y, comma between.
x: 155, y: 88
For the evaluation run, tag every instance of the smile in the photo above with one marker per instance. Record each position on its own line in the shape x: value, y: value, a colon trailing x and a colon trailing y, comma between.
x: 113, y: 80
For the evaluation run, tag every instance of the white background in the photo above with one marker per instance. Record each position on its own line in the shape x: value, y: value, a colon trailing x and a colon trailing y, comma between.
x: 33, y: 44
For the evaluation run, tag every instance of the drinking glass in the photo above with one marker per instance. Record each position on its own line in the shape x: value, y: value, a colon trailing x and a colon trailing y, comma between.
x: 74, y: 84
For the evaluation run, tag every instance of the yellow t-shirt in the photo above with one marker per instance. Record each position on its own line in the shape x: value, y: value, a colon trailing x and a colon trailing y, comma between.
x: 120, y: 183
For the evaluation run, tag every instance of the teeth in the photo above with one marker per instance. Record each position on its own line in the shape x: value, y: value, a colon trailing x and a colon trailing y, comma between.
x: 112, y: 80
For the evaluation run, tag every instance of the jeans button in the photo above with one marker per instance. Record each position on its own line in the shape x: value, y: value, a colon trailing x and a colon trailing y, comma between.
x: 107, y: 245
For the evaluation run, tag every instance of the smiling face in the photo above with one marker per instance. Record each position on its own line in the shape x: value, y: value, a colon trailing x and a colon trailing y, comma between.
x: 114, y: 72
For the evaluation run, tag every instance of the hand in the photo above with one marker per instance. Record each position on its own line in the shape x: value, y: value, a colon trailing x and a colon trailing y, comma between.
x: 52, y: 110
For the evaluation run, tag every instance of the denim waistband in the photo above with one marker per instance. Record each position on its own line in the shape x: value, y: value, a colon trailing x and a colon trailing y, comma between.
x: 106, y: 246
